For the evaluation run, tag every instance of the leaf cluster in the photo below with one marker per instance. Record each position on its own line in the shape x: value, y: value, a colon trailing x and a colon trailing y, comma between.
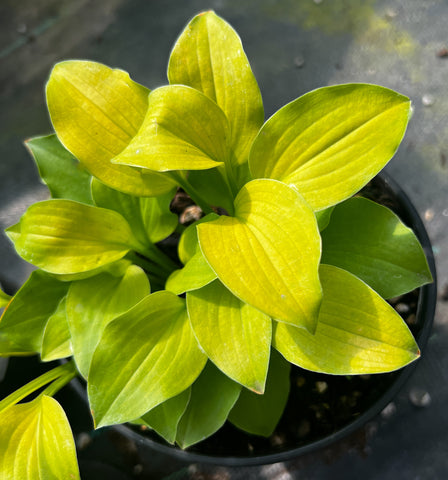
x: 285, y: 266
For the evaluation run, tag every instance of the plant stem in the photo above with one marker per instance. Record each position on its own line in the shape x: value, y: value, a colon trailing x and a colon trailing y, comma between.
x: 155, y: 270
x: 61, y: 382
x: 67, y: 371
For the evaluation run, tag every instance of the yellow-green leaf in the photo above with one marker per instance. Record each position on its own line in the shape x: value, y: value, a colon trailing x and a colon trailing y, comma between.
x: 56, y: 339
x: 357, y: 333
x: 209, y: 57
x: 146, y: 356
x: 260, y: 414
x: 36, y: 442
x: 195, y: 274
x: 62, y: 236
x: 23, y: 321
x: 331, y: 141
x: 64, y: 176
x: 165, y: 418
x: 4, y: 299
x: 371, y: 242
x: 235, y: 336
x: 268, y: 254
x: 95, y: 112
x: 183, y: 130
x: 212, y: 397
x: 95, y: 302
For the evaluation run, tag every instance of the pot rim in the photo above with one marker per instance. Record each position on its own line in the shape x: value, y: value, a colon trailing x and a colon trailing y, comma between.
x: 425, y: 307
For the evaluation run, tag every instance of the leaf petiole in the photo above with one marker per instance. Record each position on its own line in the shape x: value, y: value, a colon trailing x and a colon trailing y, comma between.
x: 65, y: 372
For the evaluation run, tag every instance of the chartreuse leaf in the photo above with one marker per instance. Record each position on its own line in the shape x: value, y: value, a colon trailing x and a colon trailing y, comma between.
x: 212, y: 397
x: 62, y: 236
x: 268, y: 254
x: 188, y: 243
x: 209, y: 57
x: 259, y: 414
x: 56, y: 339
x: 235, y: 336
x: 95, y: 112
x: 23, y: 322
x: 150, y: 218
x: 357, y: 333
x: 36, y: 442
x: 371, y: 242
x: 64, y: 176
x: 330, y: 142
x: 195, y: 274
x: 183, y: 130
x: 323, y: 218
x: 95, y: 302
x: 165, y: 417
x: 146, y: 356
x: 4, y: 299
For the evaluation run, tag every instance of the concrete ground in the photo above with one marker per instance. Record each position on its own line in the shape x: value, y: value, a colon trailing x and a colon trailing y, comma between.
x: 293, y: 46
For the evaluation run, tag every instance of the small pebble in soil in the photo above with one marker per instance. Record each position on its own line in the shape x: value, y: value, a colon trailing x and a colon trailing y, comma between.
x: 443, y: 53
x: 419, y: 397
x: 299, y: 61
x: 300, y: 382
x: 321, y: 387
x: 277, y: 440
x: 427, y: 100
x: 395, y: 300
x: 83, y: 440
x: 442, y: 160
x: 317, y: 2
x: 402, y: 307
x: 389, y: 411
x: 411, y: 319
x: 303, y: 429
x: 138, y: 469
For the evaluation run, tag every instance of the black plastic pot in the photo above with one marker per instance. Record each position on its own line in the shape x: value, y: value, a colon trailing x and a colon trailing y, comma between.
x: 425, y: 314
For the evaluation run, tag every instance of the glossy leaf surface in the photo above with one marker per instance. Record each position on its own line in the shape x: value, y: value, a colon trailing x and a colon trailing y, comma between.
x: 183, y: 130
x: 62, y: 236
x: 36, y: 442
x: 260, y: 414
x: 195, y: 274
x: 212, y: 397
x: 64, y: 176
x: 268, y: 254
x: 331, y: 141
x: 235, y: 336
x: 137, y: 362
x: 357, y: 332
x: 150, y: 218
x: 95, y: 112
x: 188, y: 242
x: 56, y: 339
x: 371, y: 242
x: 23, y: 322
x: 93, y: 303
x: 165, y: 418
x: 209, y: 57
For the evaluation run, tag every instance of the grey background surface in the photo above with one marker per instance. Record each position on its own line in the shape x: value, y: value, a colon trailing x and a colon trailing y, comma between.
x: 294, y: 46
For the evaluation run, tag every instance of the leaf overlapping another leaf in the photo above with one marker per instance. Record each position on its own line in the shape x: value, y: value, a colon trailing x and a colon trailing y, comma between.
x: 357, y: 332
x: 330, y: 142
x: 268, y: 254
x: 64, y: 237
x: 96, y: 111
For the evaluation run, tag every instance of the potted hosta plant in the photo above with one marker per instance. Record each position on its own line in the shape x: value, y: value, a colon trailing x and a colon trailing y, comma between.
x: 280, y: 264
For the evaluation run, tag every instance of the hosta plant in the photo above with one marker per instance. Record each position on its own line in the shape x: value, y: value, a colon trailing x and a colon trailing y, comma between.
x: 283, y: 265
